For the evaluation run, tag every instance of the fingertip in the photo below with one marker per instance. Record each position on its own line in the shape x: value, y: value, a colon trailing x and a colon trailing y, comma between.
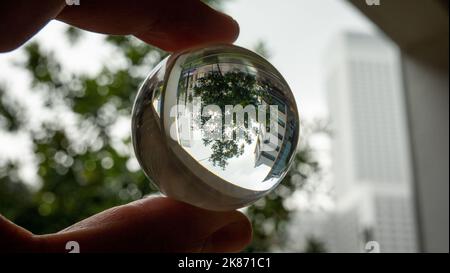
x: 154, y: 224
x: 222, y: 231
x: 233, y: 237
x: 192, y: 25
x: 231, y: 26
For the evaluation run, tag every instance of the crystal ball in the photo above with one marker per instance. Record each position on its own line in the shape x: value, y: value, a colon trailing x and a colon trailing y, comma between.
x: 215, y: 127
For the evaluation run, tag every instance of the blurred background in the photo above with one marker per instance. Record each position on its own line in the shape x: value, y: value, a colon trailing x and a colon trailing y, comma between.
x: 371, y: 172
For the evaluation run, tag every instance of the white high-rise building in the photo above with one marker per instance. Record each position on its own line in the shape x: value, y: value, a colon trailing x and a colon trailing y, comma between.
x: 370, y: 147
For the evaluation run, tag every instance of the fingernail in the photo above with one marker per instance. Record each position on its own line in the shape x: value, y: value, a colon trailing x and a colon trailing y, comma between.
x: 234, y: 24
x: 238, y: 29
x: 233, y: 237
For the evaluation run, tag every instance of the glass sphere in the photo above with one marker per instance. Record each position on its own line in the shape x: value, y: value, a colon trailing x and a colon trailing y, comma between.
x: 215, y: 127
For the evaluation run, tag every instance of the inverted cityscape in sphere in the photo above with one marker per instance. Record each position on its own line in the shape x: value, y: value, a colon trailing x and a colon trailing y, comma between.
x: 215, y: 127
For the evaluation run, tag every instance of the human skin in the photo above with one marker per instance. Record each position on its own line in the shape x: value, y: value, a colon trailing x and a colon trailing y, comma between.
x: 156, y: 224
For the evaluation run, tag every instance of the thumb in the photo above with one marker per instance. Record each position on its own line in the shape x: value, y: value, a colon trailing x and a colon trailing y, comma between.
x: 154, y: 225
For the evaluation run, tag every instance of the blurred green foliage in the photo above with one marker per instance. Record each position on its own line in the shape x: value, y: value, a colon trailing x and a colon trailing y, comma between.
x: 84, y: 169
x: 79, y: 178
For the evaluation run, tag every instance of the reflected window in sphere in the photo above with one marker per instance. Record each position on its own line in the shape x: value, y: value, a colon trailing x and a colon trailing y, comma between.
x: 215, y: 127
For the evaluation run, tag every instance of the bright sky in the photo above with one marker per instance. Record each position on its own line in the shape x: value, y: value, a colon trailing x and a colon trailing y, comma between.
x: 296, y: 32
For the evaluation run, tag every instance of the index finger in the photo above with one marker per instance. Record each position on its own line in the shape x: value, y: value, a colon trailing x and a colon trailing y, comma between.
x: 171, y: 25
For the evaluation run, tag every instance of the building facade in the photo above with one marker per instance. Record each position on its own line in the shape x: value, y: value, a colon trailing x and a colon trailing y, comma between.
x: 370, y: 147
